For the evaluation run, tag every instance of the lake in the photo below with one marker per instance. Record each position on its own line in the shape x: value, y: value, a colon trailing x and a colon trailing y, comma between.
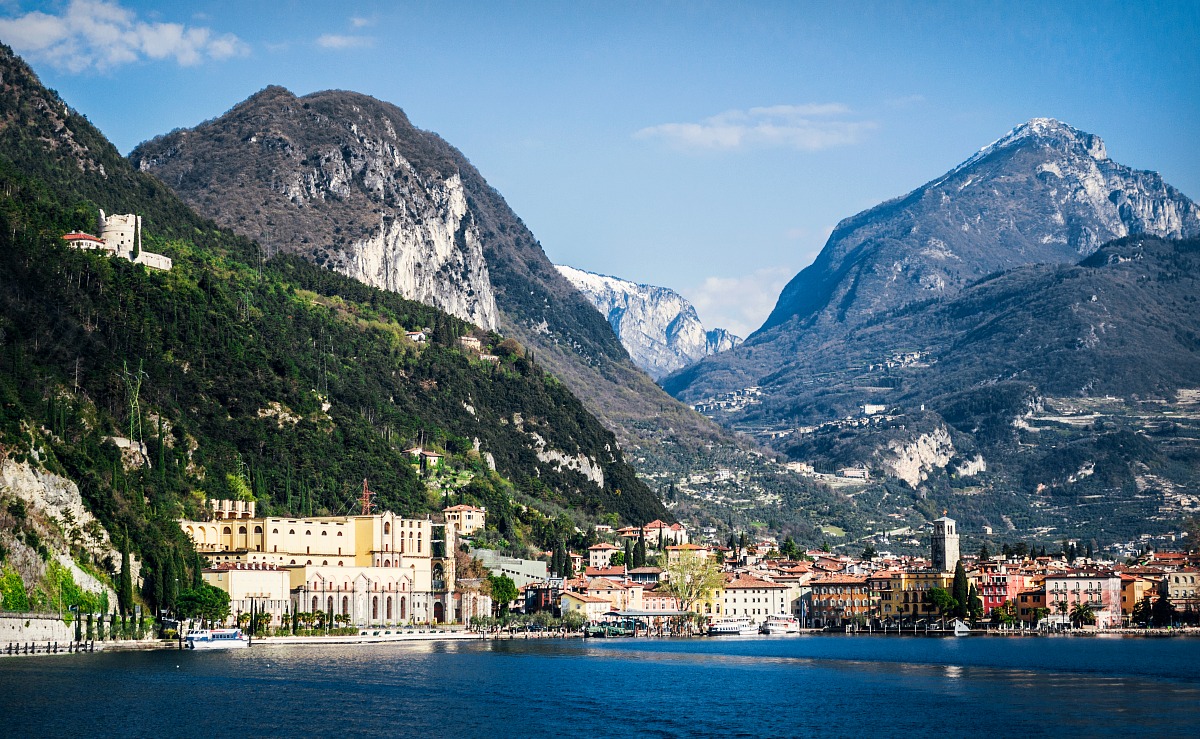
x: 828, y: 685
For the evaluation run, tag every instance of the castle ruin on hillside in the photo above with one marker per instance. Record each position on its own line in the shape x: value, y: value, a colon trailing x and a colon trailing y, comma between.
x: 120, y: 236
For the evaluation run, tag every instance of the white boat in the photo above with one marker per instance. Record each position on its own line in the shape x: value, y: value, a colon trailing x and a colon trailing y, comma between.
x: 781, y: 624
x: 217, y: 639
x: 739, y: 626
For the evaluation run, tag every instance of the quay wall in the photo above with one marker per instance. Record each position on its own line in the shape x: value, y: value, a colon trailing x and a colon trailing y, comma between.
x: 21, y: 628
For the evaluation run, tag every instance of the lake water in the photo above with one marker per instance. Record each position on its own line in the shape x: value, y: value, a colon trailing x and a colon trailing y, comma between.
x: 760, y: 687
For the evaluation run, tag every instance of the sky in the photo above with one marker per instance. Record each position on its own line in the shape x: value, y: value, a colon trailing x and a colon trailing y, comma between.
x: 709, y: 147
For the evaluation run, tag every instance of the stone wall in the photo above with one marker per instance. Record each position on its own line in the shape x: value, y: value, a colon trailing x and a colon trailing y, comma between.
x: 22, y: 628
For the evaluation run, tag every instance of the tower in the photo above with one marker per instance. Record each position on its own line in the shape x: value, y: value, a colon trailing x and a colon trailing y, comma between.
x: 943, y: 544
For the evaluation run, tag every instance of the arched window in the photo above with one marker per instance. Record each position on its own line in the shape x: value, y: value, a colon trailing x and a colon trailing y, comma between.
x: 375, y: 608
x: 226, y: 530
x: 241, y: 529
x: 329, y: 604
x: 324, y: 563
x: 387, y: 563
x: 388, y: 607
x: 339, y: 563
x: 324, y: 533
x: 315, y: 607
x: 293, y: 561
x: 387, y: 528
x: 291, y: 531
x: 346, y: 605
x: 339, y: 533
x: 308, y: 533
x: 403, y: 608
x: 274, y: 531
x: 309, y: 562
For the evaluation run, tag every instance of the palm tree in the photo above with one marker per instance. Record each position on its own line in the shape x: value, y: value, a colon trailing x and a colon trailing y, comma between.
x: 1083, y: 613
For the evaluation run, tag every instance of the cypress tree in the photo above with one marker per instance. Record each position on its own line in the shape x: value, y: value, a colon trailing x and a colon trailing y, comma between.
x: 639, y: 550
x: 125, y: 584
x: 960, y: 591
x: 628, y: 553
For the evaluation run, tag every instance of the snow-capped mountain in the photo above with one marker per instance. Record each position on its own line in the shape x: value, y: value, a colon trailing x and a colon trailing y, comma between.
x: 657, y: 326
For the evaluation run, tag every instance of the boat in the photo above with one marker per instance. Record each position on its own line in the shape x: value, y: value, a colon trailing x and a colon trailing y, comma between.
x: 781, y: 624
x: 739, y: 626
x: 217, y: 639
x: 960, y: 628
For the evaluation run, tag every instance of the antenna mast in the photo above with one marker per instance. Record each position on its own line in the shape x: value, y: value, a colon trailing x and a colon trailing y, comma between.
x: 366, y: 499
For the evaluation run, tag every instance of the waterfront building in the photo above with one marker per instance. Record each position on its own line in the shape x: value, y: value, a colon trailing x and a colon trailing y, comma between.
x: 520, y: 571
x: 838, y: 599
x: 330, y: 558
x: 1182, y: 588
x: 998, y: 583
x: 1099, y: 589
x: 906, y: 601
x: 746, y: 595
x: 590, y: 607
x: 265, y: 587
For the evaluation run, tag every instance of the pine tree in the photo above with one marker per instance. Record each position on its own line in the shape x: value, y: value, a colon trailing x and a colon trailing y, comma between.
x: 984, y: 554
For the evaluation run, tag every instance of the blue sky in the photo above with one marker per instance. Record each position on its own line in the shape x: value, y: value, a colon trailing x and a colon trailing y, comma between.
x: 705, y: 146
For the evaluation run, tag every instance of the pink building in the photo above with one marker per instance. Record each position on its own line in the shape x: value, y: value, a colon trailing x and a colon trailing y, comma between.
x: 998, y: 583
x: 1100, y: 589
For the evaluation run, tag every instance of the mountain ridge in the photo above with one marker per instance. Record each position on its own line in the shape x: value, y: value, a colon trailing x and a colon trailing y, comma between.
x: 657, y: 326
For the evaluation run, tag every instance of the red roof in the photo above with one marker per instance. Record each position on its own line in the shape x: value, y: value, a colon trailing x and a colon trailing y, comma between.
x: 749, y: 581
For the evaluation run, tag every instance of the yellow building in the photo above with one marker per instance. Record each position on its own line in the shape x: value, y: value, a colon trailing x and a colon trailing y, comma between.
x: 905, y: 599
x: 377, y: 569
x: 466, y: 519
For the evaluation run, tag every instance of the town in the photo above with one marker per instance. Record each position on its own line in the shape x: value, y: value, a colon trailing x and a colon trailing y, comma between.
x: 378, y: 570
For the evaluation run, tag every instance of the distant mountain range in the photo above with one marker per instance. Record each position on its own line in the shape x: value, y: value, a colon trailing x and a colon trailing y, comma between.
x: 657, y: 326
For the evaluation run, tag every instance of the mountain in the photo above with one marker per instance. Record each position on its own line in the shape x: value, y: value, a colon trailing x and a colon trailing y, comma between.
x: 348, y: 182
x: 1046, y: 397
x: 656, y: 325
x: 1044, y: 193
x: 140, y: 393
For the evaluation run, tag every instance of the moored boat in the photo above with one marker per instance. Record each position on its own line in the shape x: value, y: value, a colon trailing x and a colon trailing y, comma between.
x: 781, y: 624
x: 217, y: 639
x: 732, y: 627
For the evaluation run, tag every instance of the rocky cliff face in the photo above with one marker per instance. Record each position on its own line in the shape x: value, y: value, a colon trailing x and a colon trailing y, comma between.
x: 356, y: 200
x: 657, y: 326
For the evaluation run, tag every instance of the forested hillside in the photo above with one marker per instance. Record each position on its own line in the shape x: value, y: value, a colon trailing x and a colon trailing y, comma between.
x: 244, y: 376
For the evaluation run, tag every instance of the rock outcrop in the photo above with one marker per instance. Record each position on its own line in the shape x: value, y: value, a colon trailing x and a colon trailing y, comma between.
x: 657, y: 326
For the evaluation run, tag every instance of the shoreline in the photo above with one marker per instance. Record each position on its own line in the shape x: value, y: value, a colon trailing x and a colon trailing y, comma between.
x: 43, y: 649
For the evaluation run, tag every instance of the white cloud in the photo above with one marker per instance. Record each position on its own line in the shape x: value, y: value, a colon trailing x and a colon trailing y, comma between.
x: 360, y: 22
x: 339, y: 41
x: 810, y: 127
x: 739, y: 303
x: 100, y: 35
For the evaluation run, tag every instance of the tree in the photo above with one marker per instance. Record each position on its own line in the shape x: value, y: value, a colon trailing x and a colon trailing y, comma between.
x: 974, y: 604
x: 639, y: 549
x: 960, y: 590
x: 1163, y: 611
x: 1143, y: 612
x: 628, y: 558
x: 504, y: 591
x: 941, y: 600
x: 692, y: 578
x: 1083, y: 614
x: 573, y: 620
x: 790, y: 550
x: 125, y: 582
x: 869, y: 552
x: 208, y: 603
x: 984, y: 554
